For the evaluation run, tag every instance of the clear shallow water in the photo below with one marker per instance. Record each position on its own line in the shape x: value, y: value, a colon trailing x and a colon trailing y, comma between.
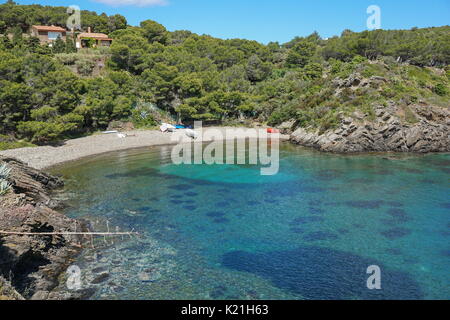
x: 226, y: 232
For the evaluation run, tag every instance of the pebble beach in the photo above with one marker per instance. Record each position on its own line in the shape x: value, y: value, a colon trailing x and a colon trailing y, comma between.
x: 44, y: 157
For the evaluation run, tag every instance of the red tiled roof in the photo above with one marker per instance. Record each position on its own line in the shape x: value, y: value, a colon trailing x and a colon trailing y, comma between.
x: 49, y: 28
x: 99, y: 36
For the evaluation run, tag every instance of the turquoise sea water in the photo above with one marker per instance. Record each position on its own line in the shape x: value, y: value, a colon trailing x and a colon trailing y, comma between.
x: 226, y: 232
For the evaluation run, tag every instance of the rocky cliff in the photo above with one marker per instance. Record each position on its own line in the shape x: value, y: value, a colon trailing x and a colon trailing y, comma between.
x: 429, y: 131
x: 31, y: 264
x: 396, y: 110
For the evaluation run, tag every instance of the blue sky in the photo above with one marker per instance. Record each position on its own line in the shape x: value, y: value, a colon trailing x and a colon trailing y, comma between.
x: 269, y: 20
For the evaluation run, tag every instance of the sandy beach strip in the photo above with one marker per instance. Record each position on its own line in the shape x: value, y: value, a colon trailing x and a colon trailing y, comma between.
x: 44, y: 157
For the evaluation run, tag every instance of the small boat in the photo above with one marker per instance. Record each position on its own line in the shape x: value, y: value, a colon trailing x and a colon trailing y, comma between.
x: 272, y: 130
x: 110, y: 132
x: 191, y: 134
x: 165, y: 127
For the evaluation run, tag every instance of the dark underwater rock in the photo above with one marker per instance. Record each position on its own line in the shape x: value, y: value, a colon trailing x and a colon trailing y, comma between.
x: 323, y: 274
x: 364, y: 204
x: 101, y: 278
x: 398, y: 214
x: 320, y: 236
x: 395, y: 233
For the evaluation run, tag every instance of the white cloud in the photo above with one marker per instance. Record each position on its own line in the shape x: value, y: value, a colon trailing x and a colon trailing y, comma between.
x: 138, y: 3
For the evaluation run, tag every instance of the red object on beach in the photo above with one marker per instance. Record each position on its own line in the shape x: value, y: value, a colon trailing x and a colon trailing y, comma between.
x: 272, y: 130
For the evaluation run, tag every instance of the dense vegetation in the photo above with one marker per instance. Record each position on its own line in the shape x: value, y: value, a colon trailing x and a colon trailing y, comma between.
x: 50, y: 93
x: 24, y: 16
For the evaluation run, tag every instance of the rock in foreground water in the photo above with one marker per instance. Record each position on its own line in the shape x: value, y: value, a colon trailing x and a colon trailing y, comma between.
x: 31, y: 262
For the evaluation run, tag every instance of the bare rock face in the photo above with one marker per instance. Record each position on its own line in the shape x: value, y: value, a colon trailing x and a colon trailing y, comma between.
x: 357, y: 81
x: 32, y: 183
x: 388, y: 132
x: 32, y: 263
x: 286, y: 127
x: 7, y: 292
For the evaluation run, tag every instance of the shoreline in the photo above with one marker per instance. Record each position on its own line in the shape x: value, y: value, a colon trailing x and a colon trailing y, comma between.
x: 46, y: 157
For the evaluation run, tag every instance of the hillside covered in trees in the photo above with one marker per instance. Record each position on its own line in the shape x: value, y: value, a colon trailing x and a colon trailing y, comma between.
x: 47, y: 94
x: 24, y: 16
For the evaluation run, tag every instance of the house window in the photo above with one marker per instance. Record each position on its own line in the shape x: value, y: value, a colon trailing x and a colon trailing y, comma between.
x: 54, y: 35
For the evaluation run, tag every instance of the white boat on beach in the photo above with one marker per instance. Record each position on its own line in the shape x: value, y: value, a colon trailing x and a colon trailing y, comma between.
x: 191, y: 133
x: 165, y: 127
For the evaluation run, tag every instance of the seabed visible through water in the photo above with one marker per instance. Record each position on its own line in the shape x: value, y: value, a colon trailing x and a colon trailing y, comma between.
x: 226, y: 232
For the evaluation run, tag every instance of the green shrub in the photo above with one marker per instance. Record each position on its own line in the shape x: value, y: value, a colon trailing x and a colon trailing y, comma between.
x: 44, y: 113
x: 85, y: 67
x: 67, y: 58
x: 417, y: 73
x: 388, y: 92
x: 15, y: 145
x: 341, y: 69
x: 281, y: 115
x: 327, y: 121
x: 4, y: 171
x: 421, y: 83
x: 312, y: 71
x: 5, y: 185
x: 390, y: 61
x: 373, y: 70
x: 142, y: 116
x: 7, y: 142
x: 40, y: 132
x: 440, y: 89
x: 98, y: 51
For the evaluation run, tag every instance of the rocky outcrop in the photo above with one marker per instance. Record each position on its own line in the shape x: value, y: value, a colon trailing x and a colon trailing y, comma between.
x: 33, y: 184
x: 286, y: 127
x: 32, y: 263
x: 7, y: 292
x: 355, y: 81
x: 428, y: 132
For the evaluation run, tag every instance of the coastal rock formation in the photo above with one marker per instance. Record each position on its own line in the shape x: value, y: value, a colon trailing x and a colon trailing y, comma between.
x: 286, y: 127
x: 428, y: 130
x: 7, y: 292
x: 32, y: 263
x: 33, y: 184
